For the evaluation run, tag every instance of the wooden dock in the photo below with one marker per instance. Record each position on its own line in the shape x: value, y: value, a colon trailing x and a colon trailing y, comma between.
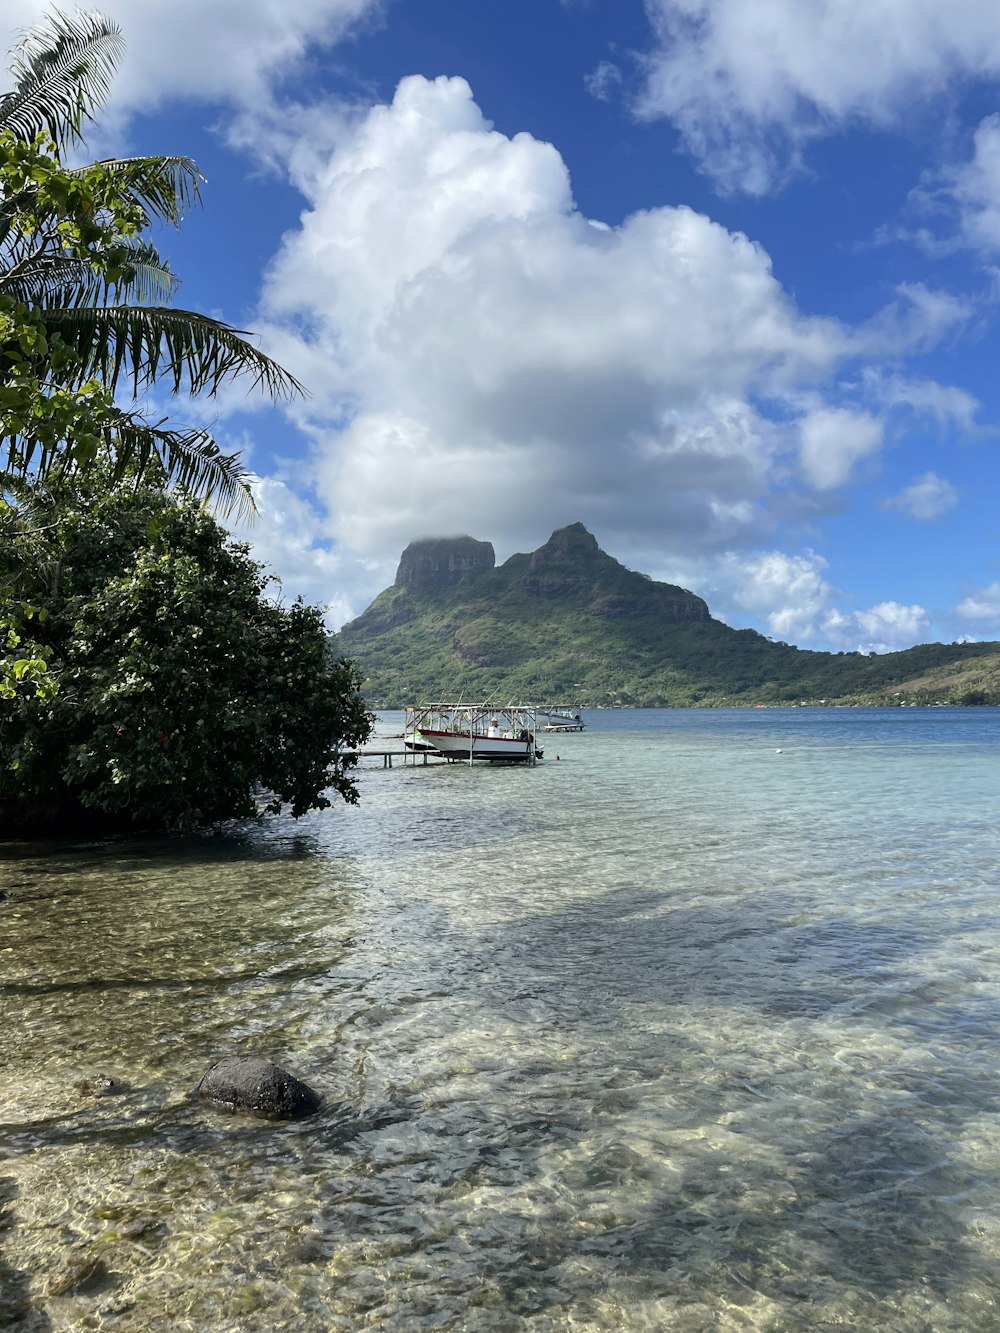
x: 387, y: 756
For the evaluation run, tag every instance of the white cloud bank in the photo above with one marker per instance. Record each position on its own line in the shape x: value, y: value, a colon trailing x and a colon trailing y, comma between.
x: 791, y: 598
x: 505, y: 363
x: 880, y: 629
x: 288, y: 537
x: 750, y: 84
x: 983, y: 604
x: 482, y: 358
x: 212, y: 50
x: 833, y: 441
x: 974, y: 190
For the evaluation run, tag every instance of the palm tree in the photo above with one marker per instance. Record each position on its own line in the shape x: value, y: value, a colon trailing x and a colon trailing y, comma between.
x: 97, y: 287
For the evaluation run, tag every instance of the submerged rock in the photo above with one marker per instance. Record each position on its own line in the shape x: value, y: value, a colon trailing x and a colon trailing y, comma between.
x: 81, y: 1275
x: 102, y: 1085
x: 248, y: 1083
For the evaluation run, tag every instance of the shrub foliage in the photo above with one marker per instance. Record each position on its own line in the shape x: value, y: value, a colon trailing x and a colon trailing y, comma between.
x: 183, y: 690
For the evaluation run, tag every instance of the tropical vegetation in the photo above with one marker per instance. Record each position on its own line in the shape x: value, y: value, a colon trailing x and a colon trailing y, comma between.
x: 146, y: 676
x: 569, y: 623
x: 185, y: 695
x: 85, y: 311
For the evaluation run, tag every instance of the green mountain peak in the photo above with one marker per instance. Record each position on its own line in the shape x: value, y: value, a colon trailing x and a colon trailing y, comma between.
x: 437, y: 562
x: 569, y: 622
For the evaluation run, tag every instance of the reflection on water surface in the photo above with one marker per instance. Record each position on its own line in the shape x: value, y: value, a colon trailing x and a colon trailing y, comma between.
x: 675, y: 1033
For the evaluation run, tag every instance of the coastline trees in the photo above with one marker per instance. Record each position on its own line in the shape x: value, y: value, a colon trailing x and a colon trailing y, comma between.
x: 185, y: 695
x: 145, y: 677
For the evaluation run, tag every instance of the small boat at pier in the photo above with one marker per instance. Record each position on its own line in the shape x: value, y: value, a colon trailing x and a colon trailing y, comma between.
x: 560, y: 717
x: 498, y: 733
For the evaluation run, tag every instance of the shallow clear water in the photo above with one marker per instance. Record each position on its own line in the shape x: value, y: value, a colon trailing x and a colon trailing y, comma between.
x: 673, y: 1032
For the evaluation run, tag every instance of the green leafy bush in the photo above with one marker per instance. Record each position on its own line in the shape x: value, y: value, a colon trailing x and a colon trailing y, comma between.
x: 182, y: 689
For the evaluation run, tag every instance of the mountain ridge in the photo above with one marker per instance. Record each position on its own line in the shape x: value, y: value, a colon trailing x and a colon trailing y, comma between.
x: 570, y: 621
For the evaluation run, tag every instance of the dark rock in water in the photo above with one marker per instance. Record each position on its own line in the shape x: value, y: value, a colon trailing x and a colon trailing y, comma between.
x: 82, y: 1274
x: 143, y: 1228
x: 251, y: 1084
x: 102, y: 1085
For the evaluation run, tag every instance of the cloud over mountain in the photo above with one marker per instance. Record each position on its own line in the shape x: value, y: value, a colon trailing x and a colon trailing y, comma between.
x: 482, y: 356
x: 487, y: 359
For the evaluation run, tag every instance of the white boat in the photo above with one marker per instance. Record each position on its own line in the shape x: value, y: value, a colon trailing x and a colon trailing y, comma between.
x: 498, y: 733
x: 560, y: 717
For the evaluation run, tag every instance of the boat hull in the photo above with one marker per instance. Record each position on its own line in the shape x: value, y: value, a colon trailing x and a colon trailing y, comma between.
x: 559, y: 719
x: 418, y: 745
x: 462, y: 745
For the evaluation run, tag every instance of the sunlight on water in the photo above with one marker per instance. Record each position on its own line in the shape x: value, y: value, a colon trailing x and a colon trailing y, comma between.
x: 676, y: 1032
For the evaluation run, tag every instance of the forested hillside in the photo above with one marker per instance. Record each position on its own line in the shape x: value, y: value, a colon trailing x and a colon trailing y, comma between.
x: 569, y: 622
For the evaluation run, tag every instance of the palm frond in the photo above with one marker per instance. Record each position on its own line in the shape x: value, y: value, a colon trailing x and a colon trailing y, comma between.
x: 55, y: 281
x: 24, y: 566
x: 189, y: 458
x: 135, y: 448
x: 145, y: 278
x: 165, y: 187
x: 139, y: 345
x: 62, y: 72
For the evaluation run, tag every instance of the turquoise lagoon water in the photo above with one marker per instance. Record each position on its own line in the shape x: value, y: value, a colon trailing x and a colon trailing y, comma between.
x: 675, y: 1031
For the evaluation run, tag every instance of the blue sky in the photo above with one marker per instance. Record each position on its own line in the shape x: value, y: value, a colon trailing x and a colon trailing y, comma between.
x: 717, y: 278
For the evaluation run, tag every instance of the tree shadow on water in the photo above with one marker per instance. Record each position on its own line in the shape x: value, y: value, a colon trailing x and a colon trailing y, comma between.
x: 630, y: 948
x: 854, y: 1229
x: 866, y: 1216
x: 16, y: 1308
x: 856, y: 1213
x: 234, y: 844
x: 852, y: 1213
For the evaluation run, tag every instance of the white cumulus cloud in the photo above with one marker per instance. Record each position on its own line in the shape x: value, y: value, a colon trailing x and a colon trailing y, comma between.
x: 880, y: 629
x: 945, y: 404
x: 928, y: 496
x: 505, y: 366
x: 208, y: 50
x: 604, y: 80
x: 749, y: 84
x: 791, y: 597
x: 983, y: 604
x: 974, y: 190
x: 833, y: 440
x: 789, y: 592
x: 290, y: 538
